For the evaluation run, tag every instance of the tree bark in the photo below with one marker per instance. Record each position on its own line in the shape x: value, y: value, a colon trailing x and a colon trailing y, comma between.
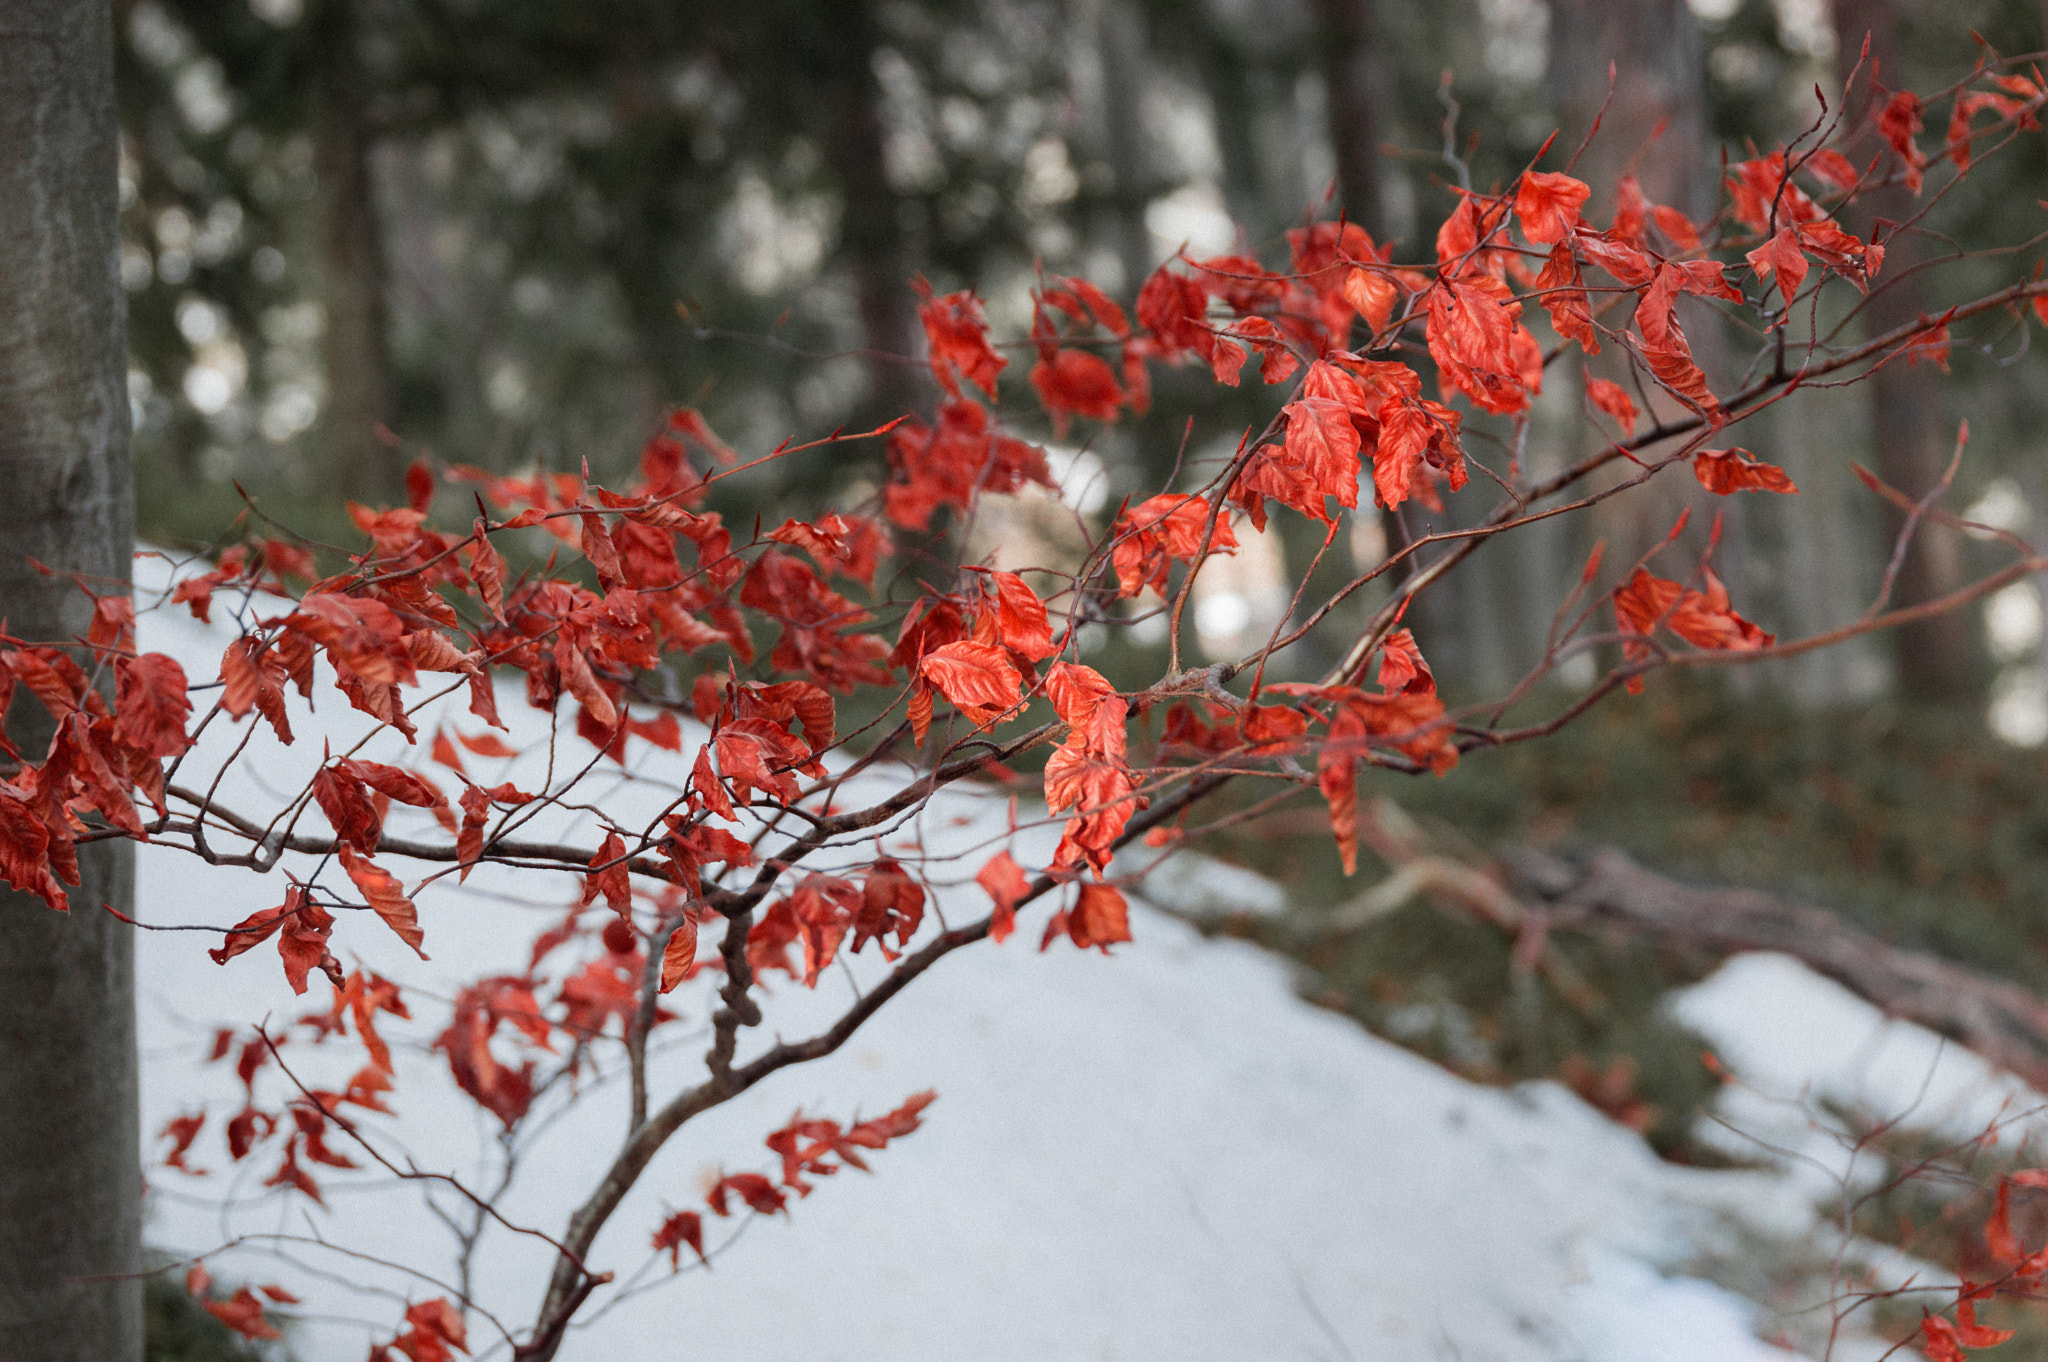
x: 355, y: 349
x: 70, y: 1174
x: 1122, y: 58
x: 1350, y: 96
x: 871, y: 233
x: 1912, y: 427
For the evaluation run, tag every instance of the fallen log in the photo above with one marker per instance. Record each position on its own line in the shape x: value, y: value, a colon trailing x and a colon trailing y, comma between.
x: 2001, y: 1021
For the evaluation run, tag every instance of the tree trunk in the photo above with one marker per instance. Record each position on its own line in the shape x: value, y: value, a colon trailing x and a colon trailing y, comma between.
x: 1351, y: 97
x: 1912, y: 427
x: 1122, y: 58
x: 871, y: 233
x: 1350, y: 93
x: 355, y: 349
x: 70, y: 1174
x: 1652, y: 49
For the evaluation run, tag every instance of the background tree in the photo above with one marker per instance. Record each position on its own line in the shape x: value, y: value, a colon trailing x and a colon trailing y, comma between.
x: 70, y: 1174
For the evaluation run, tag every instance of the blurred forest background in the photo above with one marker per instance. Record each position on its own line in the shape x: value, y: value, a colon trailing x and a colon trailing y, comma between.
x: 515, y: 233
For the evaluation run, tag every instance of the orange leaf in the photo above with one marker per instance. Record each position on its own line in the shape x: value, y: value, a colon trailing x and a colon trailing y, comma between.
x: 679, y: 954
x: 614, y: 881
x: 1723, y: 471
x: 977, y: 677
x: 1548, y: 204
x: 386, y: 895
x: 1780, y: 257
x: 1020, y: 617
x: 1004, y: 880
x: 1099, y: 917
x: 1614, y: 400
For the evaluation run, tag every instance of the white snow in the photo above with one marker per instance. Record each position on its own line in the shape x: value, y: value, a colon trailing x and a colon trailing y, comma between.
x: 1160, y: 1154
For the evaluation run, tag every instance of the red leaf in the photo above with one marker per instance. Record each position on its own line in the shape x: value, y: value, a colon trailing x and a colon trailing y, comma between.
x: 444, y: 752
x: 393, y: 783
x: 1561, y: 290
x: 1099, y: 917
x: 1703, y: 619
x: 419, y: 486
x: 760, y: 1195
x: 679, y: 955
x: 151, y: 706
x: 1473, y: 336
x: 303, y: 943
x: 344, y: 799
x: 1548, y: 204
x: 436, y: 1318
x: 1337, y: 778
x: 254, y: 683
x: 977, y: 677
x: 243, y: 1313
x: 684, y: 1227
x: 1324, y: 444
x: 1999, y: 1240
x: 614, y: 881
x: 1077, y: 383
x: 25, y: 860
x: 387, y: 896
x: 1614, y: 400
x: 1781, y: 258
x: 113, y: 624
x: 1004, y: 880
x: 1402, y: 670
x: 1941, y: 1342
x: 1897, y: 122
x: 182, y: 1131
x: 1969, y: 1332
x: 487, y: 745
x: 1021, y: 620
x: 1373, y: 293
x: 1159, y: 531
x: 1723, y: 471
x: 958, y: 333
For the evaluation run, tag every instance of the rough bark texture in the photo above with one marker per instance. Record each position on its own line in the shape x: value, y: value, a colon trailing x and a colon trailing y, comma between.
x: 1913, y: 430
x: 355, y: 349
x: 70, y: 1176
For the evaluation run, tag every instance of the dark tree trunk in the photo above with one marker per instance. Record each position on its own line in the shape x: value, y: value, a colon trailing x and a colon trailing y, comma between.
x: 1912, y: 425
x: 1122, y: 55
x: 871, y: 231
x: 70, y: 1175
x: 355, y: 348
x: 1655, y: 48
x: 1344, y: 42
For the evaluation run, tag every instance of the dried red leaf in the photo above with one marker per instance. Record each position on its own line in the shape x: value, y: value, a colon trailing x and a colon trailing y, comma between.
x: 1723, y: 471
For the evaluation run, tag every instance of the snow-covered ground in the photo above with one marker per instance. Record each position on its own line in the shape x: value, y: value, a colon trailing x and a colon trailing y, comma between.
x: 1160, y: 1154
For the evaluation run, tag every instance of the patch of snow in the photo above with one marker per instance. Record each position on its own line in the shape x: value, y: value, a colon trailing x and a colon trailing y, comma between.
x: 1189, y: 884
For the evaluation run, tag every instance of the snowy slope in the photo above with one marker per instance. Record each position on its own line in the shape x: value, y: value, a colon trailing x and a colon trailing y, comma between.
x: 1164, y: 1154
